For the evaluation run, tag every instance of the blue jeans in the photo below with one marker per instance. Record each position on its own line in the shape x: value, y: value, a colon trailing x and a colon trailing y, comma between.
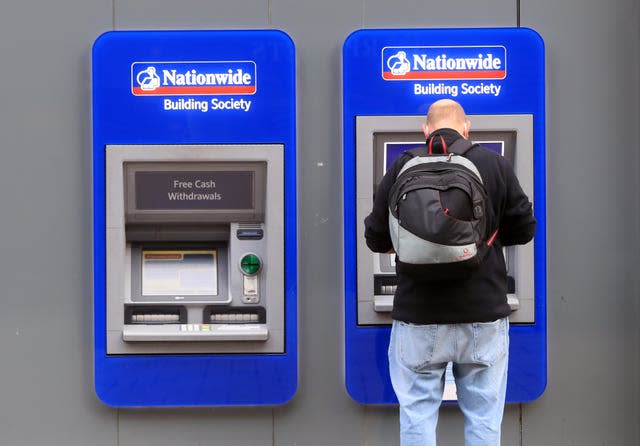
x: 418, y: 357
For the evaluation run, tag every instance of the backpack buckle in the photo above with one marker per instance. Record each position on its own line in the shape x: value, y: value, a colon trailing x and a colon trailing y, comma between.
x: 478, y: 212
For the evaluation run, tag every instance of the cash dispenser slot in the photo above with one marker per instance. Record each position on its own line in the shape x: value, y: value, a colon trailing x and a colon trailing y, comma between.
x: 155, y: 314
x: 243, y: 315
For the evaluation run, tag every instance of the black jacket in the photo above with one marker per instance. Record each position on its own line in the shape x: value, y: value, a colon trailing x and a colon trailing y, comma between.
x: 483, y: 296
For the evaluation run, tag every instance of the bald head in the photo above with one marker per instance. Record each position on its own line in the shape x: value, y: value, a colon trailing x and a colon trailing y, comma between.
x: 446, y: 113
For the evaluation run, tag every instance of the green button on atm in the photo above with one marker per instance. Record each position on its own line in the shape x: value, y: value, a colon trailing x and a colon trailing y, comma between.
x: 250, y: 264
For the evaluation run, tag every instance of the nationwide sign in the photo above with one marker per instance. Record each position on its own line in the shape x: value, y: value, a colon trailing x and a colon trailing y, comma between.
x: 444, y: 63
x: 193, y: 78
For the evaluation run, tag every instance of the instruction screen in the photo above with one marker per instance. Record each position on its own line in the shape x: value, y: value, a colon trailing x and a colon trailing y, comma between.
x: 179, y: 272
x: 194, y: 190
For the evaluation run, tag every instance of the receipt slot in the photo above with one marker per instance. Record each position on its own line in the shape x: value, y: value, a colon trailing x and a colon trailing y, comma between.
x: 194, y: 218
x: 498, y: 77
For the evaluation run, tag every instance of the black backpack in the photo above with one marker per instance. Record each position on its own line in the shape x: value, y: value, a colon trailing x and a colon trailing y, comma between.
x: 438, y: 214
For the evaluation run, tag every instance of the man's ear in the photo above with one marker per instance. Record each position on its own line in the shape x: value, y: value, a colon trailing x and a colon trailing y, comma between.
x: 425, y: 129
x: 467, y: 128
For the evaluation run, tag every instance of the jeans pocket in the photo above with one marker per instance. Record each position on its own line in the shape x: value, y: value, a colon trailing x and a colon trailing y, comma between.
x: 490, y: 341
x: 416, y: 344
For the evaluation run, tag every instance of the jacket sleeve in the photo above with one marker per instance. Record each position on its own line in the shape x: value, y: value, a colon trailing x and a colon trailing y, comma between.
x: 376, y: 225
x: 517, y: 225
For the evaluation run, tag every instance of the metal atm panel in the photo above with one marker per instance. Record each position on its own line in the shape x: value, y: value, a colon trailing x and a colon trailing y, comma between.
x: 151, y: 308
x: 379, y: 139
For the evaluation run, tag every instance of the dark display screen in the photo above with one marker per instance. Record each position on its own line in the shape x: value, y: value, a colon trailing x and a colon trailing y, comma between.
x: 393, y: 150
x: 193, y: 190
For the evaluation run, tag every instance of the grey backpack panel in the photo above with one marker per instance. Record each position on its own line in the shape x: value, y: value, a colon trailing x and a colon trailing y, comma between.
x: 412, y: 249
x: 459, y: 159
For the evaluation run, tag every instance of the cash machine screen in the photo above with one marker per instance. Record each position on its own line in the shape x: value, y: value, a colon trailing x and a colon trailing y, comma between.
x: 179, y: 272
x: 392, y: 150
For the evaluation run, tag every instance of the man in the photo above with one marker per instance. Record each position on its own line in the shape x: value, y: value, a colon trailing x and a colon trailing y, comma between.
x: 460, y: 321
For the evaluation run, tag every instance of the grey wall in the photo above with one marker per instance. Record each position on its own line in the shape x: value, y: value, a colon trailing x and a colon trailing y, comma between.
x: 593, y: 117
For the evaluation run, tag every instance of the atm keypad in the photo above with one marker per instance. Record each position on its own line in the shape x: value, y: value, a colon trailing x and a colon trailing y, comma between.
x: 137, y: 318
x: 238, y: 315
x: 225, y: 318
x: 388, y: 289
x: 385, y: 285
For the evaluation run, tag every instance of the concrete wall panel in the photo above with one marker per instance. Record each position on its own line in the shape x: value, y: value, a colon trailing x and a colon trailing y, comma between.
x: 451, y: 14
x: 45, y: 273
x: 191, y: 14
x: 592, y: 113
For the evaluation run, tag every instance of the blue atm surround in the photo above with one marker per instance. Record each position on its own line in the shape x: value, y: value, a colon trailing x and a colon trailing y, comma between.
x: 381, y: 79
x: 122, y: 117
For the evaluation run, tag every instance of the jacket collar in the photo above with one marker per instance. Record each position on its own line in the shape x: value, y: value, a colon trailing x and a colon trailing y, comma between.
x: 449, y: 135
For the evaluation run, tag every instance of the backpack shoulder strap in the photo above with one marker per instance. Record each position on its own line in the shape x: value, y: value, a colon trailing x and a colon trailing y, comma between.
x: 461, y: 146
x: 420, y: 151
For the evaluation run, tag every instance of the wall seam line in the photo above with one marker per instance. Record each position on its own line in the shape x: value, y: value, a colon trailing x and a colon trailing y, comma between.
x: 273, y: 423
x: 117, y: 427
x: 364, y: 11
x: 521, y: 423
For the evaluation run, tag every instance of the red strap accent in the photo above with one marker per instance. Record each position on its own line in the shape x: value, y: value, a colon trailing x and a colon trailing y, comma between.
x: 444, y: 145
x: 492, y: 238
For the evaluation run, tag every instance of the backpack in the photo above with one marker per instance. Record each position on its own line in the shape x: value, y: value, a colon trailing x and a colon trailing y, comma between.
x: 438, y: 214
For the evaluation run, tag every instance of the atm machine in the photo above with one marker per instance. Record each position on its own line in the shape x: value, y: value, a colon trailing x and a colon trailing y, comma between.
x: 195, y: 299
x: 381, y: 139
x: 193, y: 249
x: 498, y: 77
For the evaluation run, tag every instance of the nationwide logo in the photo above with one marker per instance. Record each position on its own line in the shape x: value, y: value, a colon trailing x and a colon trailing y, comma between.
x: 444, y: 63
x: 193, y: 78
